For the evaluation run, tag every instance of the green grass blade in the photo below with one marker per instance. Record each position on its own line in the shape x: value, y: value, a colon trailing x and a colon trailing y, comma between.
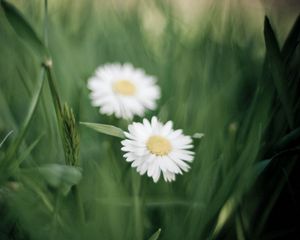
x: 155, y: 236
x: 288, y: 140
x: 277, y: 70
x: 4, y: 139
x: 292, y: 41
x: 225, y: 213
x: 106, y: 129
x: 260, y: 166
x: 25, y: 154
x: 22, y: 27
x: 11, y: 152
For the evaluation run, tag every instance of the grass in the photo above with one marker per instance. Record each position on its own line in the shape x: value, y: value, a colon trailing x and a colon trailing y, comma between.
x: 223, y: 75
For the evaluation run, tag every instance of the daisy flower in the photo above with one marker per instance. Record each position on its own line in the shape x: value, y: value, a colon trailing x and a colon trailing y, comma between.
x: 123, y: 90
x: 156, y: 148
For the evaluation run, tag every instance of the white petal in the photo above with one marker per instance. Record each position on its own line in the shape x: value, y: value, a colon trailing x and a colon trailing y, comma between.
x: 156, y: 173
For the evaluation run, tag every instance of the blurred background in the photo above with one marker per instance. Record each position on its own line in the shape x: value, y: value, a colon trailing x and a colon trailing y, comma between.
x: 224, y: 70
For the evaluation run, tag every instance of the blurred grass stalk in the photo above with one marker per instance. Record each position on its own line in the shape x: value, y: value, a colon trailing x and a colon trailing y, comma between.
x: 66, y: 121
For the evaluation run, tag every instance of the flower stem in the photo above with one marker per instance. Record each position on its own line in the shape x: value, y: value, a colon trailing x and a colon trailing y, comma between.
x: 137, y: 206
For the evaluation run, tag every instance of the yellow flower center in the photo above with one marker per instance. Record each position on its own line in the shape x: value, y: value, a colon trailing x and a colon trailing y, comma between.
x: 124, y: 87
x: 158, y: 145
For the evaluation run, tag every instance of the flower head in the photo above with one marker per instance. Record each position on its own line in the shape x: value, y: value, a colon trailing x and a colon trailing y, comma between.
x: 123, y: 90
x: 156, y: 148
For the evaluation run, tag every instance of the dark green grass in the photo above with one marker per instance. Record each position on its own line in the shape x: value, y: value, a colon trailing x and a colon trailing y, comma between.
x: 216, y: 78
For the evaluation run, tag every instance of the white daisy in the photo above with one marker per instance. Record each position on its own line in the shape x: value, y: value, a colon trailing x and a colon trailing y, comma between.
x: 156, y: 148
x: 123, y: 90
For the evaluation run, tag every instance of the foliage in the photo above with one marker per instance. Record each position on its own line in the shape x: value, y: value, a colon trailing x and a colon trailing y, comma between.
x: 222, y: 76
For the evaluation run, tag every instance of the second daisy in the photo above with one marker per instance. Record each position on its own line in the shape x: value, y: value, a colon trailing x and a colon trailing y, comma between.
x: 123, y: 90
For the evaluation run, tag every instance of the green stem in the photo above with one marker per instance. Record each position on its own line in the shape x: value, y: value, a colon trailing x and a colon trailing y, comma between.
x: 81, y: 215
x: 56, y: 100
x: 137, y: 206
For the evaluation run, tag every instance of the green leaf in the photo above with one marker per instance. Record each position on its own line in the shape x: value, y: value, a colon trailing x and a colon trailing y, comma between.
x: 277, y: 70
x: 22, y: 27
x: 106, y: 129
x: 61, y: 176
x: 155, y: 235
